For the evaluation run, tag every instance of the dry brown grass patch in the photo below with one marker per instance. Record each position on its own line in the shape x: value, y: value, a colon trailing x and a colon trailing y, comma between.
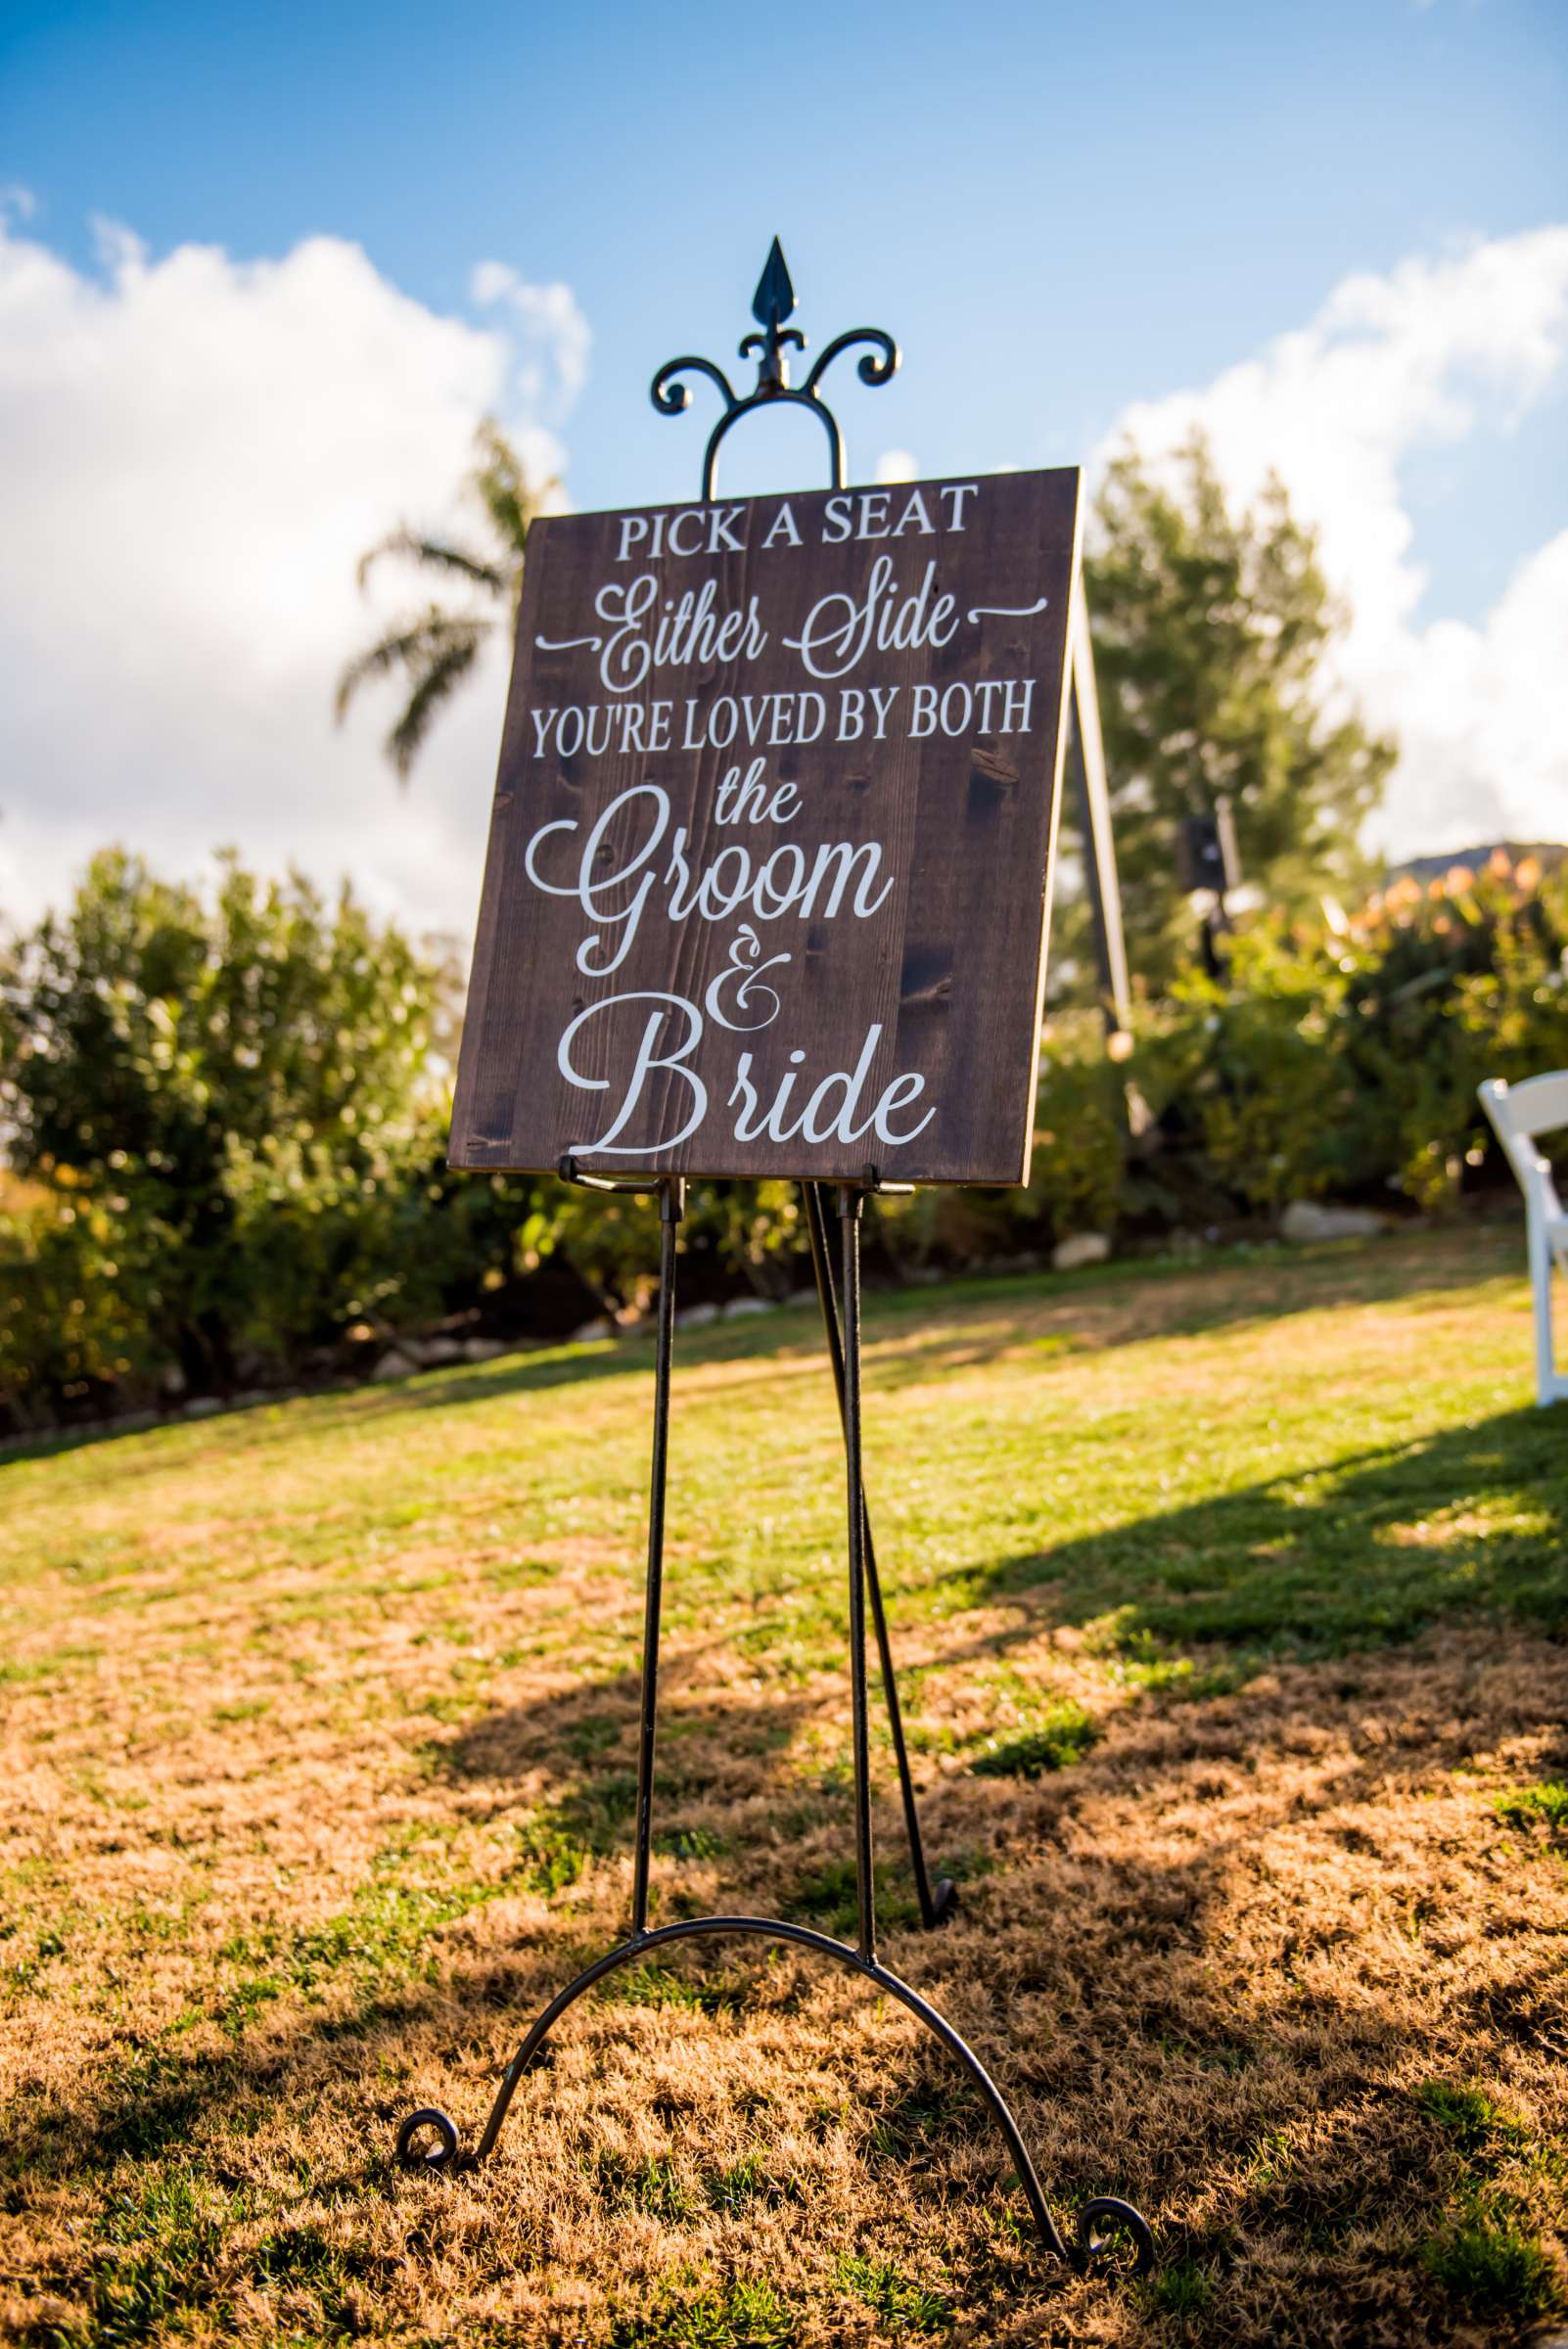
x: 307, y: 1807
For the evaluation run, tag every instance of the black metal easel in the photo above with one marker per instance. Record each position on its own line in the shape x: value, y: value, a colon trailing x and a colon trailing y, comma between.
x: 841, y: 1313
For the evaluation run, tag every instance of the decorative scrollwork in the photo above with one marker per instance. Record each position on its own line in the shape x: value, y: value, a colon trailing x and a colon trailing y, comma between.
x: 877, y: 367
x: 1096, y: 2250
x: 673, y: 399
x: 771, y: 304
x: 772, y: 343
x: 445, y: 2154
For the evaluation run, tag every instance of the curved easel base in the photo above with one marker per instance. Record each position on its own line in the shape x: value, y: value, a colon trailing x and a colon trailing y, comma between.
x: 1093, y: 2248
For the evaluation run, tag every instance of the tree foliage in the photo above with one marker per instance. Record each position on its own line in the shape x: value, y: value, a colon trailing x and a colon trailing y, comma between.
x: 172, y: 1066
x: 223, y: 1126
x: 1211, y: 631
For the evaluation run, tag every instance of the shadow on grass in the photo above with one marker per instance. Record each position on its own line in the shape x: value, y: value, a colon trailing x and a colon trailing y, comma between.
x: 1470, y: 1520
x: 1142, y: 2054
x: 702, y: 1740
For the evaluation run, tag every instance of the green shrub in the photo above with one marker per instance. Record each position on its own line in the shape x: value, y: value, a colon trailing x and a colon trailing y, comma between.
x: 225, y: 1120
x: 1077, y: 1170
x: 1080, y: 1156
x: 76, y: 1300
x: 1446, y: 986
x: 1269, y: 1091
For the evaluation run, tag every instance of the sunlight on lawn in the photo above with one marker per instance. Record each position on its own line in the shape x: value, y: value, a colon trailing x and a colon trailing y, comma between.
x: 1225, y: 1602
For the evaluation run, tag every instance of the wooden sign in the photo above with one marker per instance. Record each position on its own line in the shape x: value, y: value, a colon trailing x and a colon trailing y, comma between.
x: 770, y: 859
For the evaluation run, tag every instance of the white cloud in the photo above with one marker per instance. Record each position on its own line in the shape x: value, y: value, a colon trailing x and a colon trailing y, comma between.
x: 194, y: 452
x: 555, y: 336
x: 1390, y: 365
x: 897, y: 465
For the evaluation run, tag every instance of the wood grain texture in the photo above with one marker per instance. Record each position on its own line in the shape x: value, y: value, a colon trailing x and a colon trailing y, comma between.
x: 948, y: 967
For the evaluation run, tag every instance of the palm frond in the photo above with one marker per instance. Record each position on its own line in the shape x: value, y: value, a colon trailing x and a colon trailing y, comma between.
x: 447, y: 669
x: 502, y: 488
x: 412, y: 646
x: 437, y: 555
x: 437, y: 651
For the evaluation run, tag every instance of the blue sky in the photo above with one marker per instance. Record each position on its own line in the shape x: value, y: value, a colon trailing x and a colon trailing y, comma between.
x: 1056, y: 209
x: 1060, y: 212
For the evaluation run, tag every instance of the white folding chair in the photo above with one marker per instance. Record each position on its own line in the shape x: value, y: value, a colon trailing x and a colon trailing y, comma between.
x: 1518, y: 1113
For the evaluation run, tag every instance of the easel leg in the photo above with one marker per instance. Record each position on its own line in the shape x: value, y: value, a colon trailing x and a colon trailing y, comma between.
x: 1094, y: 2246
x: 936, y: 1904
x: 850, y: 1206
x: 672, y: 1202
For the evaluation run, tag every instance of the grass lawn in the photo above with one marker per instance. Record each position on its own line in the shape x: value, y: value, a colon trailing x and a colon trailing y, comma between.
x: 1229, y: 1603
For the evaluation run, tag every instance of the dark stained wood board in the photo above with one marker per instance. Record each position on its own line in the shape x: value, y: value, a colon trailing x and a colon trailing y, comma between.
x: 868, y: 932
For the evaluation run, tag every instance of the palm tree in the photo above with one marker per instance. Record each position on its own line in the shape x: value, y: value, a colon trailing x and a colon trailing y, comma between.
x: 434, y: 649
